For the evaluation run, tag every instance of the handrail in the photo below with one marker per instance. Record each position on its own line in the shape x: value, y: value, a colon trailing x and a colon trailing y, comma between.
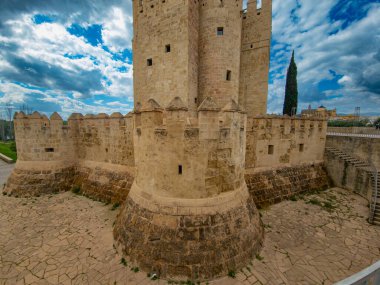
x: 366, y: 276
x: 375, y: 136
x: 373, y: 203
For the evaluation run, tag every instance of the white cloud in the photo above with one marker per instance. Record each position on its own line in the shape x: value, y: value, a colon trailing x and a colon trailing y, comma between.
x: 320, y: 46
x: 47, y: 44
x: 117, y: 30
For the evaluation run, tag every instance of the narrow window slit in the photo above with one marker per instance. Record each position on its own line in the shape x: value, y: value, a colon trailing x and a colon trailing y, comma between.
x: 228, y: 75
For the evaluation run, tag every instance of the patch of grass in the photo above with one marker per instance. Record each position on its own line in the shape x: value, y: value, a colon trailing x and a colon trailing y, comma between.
x: 115, y: 206
x: 293, y: 198
x: 328, y: 205
x: 9, y: 149
x: 232, y: 274
x: 314, y: 201
x: 259, y: 257
x: 135, y: 269
x: 75, y: 189
x: 123, y: 261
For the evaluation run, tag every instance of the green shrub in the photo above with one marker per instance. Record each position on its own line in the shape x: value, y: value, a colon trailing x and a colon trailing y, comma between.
x: 115, y: 206
x: 75, y: 189
x: 232, y: 274
x: 123, y: 261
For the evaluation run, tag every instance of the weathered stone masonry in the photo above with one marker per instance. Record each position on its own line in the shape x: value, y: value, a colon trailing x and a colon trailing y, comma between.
x: 94, y: 153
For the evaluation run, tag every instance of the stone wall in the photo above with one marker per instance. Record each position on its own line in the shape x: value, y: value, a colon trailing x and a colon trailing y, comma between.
x: 94, y: 153
x: 104, y: 181
x: 284, y: 141
x: 29, y: 179
x: 158, y: 24
x: 273, y: 186
x: 367, y: 149
x: 348, y: 176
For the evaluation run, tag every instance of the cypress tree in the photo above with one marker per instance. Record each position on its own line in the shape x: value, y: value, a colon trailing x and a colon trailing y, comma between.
x: 291, y: 89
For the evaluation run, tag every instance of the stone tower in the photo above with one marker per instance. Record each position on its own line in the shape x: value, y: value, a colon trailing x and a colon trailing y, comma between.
x: 255, y: 57
x: 189, y: 214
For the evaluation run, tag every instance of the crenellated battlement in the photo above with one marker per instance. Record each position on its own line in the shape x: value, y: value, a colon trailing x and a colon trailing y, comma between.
x: 203, y: 154
x: 100, y: 138
x: 211, y: 122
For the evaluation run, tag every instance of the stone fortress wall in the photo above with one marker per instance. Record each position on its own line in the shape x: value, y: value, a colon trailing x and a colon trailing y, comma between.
x: 284, y: 157
x: 94, y: 153
x: 97, y: 153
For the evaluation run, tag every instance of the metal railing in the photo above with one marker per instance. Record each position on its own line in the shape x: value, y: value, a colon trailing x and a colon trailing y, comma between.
x: 374, y: 136
x: 370, y: 275
x: 354, y: 130
x: 375, y: 191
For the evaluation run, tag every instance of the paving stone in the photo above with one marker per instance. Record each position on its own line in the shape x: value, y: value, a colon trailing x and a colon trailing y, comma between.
x: 67, y: 239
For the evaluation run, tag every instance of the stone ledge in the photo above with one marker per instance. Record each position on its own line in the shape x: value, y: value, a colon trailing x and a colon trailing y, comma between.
x: 177, y: 206
x: 6, y: 158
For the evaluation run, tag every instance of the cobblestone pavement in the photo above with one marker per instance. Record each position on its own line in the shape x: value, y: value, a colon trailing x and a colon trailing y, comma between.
x: 5, y: 171
x: 67, y: 239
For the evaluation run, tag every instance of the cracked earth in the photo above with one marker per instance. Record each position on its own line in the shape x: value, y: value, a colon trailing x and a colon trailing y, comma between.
x: 67, y: 239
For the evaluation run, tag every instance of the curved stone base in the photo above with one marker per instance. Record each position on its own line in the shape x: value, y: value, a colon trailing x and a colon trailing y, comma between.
x: 199, y: 239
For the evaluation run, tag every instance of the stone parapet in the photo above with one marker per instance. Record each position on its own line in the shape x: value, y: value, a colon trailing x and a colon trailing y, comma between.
x: 280, y: 141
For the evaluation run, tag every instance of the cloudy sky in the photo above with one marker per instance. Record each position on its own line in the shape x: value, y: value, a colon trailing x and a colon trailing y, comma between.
x: 75, y: 56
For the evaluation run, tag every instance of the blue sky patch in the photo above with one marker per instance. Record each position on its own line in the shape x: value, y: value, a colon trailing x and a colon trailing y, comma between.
x: 40, y: 19
x: 92, y: 34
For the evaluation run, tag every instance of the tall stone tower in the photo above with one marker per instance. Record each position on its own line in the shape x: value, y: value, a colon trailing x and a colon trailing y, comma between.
x: 255, y: 57
x: 189, y: 214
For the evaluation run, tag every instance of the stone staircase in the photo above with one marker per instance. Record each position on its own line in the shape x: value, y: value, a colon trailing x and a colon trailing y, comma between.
x: 375, y: 181
x: 376, y: 204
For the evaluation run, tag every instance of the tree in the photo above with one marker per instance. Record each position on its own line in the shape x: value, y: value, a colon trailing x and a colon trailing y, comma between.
x: 291, y: 89
x: 9, y: 109
x: 377, y: 123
